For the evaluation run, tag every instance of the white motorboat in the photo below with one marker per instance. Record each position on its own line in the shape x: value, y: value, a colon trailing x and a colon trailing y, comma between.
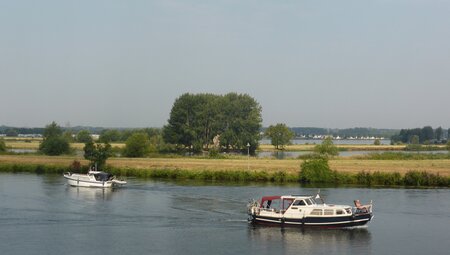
x: 95, y: 179
x: 298, y: 210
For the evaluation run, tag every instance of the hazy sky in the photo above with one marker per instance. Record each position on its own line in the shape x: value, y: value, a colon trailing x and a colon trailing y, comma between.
x: 335, y: 64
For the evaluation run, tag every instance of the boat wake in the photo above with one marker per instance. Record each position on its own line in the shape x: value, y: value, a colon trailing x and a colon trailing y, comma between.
x: 357, y: 227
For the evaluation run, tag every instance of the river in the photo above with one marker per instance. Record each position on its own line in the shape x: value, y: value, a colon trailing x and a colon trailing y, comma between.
x: 40, y: 214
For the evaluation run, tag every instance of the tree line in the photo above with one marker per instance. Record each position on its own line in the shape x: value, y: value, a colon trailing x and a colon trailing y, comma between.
x: 197, y: 122
x: 421, y: 135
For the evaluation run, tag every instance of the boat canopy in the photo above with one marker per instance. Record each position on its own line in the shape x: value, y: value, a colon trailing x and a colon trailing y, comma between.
x: 102, y: 176
x: 267, y: 198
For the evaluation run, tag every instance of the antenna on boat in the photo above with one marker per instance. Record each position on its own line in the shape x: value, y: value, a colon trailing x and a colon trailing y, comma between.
x: 318, y: 196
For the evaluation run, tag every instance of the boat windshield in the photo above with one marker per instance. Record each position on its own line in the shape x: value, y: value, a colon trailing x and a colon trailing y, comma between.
x: 102, y: 176
x: 312, y: 200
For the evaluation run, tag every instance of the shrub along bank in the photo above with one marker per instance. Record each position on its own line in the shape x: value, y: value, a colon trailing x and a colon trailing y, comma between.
x: 312, y: 171
x: 318, y: 171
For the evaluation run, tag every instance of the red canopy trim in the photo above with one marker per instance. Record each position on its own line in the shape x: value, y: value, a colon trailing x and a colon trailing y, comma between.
x: 264, y: 199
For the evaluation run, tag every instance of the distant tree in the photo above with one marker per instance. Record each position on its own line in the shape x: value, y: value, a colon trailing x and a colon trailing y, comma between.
x: 52, y: 130
x: 377, y: 142
x: 415, y: 139
x: 280, y: 135
x: 84, y: 136
x: 97, y: 153
x: 414, y: 144
x: 439, y: 132
x: 69, y: 136
x: 2, y: 145
x: 448, y: 145
x: 54, y: 143
x: 137, y: 145
x: 327, y: 148
x: 426, y: 134
x: 11, y: 132
x: 110, y: 135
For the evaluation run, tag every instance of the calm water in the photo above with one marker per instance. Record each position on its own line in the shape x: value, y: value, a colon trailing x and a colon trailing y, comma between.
x: 39, y: 214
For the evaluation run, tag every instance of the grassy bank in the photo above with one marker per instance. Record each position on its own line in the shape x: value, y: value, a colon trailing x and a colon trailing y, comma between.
x: 411, y: 178
x: 367, y: 172
x: 289, y: 166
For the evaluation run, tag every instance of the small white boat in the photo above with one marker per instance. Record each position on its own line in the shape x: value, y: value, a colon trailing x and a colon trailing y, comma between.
x: 95, y: 179
x: 304, y: 211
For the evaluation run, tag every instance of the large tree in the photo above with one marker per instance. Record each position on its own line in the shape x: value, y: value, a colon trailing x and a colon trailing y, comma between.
x: 280, y: 135
x: 195, y: 119
x: 54, y: 143
x: 240, y: 122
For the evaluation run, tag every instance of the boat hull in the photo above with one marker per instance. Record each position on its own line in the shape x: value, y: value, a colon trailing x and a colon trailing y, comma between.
x: 81, y: 183
x: 77, y: 180
x: 324, y: 222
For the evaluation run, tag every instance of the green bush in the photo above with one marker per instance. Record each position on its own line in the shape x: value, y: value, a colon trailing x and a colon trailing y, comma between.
x: 417, y: 178
x: 316, y: 171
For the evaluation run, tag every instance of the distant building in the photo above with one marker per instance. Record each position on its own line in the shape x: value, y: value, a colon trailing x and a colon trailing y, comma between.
x: 95, y: 136
x: 30, y: 135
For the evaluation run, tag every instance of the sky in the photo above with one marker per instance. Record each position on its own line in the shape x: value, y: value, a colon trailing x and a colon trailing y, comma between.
x: 309, y: 63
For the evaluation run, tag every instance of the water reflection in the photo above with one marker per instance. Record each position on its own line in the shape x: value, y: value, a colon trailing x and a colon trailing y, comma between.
x: 89, y: 194
x: 311, y: 240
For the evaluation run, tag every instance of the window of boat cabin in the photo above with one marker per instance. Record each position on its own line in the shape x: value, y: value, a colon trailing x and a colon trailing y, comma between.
x: 299, y: 202
x: 328, y: 212
x: 316, y: 212
x: 339, y: 211
x: 308, y: 201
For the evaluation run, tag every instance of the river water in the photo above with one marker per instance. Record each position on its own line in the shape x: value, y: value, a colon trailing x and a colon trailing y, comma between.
x: 40, y: 214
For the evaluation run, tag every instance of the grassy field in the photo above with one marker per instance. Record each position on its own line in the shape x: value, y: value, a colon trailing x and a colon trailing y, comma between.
x: 290, y: 166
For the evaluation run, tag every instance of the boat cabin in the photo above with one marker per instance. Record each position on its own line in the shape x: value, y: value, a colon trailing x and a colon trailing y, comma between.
x: 303, y: 210
x: 300, y: 205
x: 284, y: 202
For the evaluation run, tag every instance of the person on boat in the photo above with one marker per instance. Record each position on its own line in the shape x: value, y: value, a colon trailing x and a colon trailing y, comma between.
x: 269, y: 202
x: 361, y: 208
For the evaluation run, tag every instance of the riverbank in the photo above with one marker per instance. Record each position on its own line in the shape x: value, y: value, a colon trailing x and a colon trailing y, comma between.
x: 349, y: 171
